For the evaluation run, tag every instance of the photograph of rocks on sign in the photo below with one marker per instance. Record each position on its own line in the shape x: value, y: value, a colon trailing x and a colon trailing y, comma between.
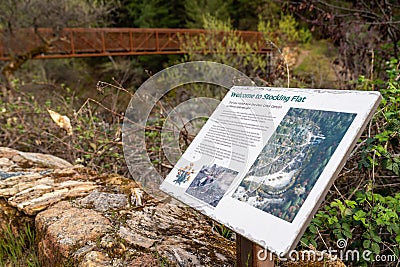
x: 211, y: 183
x: 290, y: 163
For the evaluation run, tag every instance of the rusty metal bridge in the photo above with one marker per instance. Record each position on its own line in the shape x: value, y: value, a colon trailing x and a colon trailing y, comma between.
x: 95, y: 42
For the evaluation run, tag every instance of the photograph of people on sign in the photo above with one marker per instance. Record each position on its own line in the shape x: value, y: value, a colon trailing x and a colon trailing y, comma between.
x: 265, y: 159
x: 211, y: 183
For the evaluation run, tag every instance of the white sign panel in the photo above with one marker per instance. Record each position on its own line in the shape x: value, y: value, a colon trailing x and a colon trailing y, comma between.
x: 265, y: 159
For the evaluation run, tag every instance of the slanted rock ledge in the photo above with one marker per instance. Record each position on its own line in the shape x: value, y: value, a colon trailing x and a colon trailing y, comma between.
x: 82, y: 218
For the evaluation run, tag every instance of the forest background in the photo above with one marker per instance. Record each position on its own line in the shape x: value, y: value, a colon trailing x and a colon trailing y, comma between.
x: 317, y: 44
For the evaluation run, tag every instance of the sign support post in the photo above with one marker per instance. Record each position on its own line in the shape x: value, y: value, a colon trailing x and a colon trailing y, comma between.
x: 247, y: 254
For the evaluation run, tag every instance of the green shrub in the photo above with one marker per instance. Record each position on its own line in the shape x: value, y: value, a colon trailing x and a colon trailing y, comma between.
x: 367, y: 217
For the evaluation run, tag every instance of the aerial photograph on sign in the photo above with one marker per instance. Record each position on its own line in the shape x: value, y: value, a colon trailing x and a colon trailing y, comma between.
x: 211, y: 183
x: 287, y: 168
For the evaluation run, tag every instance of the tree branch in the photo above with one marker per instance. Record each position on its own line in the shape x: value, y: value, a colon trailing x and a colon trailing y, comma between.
x: 16, y: 62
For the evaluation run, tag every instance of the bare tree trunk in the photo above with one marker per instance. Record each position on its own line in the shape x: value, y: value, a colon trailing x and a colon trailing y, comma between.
x: 16, y: 62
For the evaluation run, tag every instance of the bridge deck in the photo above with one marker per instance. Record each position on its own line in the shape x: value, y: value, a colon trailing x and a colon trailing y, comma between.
x: 93, y: 42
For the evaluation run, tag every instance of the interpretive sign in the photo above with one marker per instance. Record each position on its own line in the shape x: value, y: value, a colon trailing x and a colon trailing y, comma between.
x: 266, y: 158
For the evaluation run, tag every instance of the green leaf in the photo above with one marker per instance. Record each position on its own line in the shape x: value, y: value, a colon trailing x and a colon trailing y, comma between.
x: 396, y: 169
x: 346, y: 226
x: 395, y: 227
x: 379, y: 221
x: 304, y: 240
x: 348, y: 212
x: 313, y: 229
x: 398, y: 239
x: 351, y: 204
x: 367, y: 244
x: 314, y: 243
x: 375, y: 248
x: 396, y: 251
x: 337, y: 233
x: 376, y: 238
x: 332, y: 220
x: 359, y: 215
x: 347, y: 234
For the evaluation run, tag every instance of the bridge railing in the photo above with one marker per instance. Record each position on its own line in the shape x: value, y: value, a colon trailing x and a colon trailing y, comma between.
x: 91, y: 42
